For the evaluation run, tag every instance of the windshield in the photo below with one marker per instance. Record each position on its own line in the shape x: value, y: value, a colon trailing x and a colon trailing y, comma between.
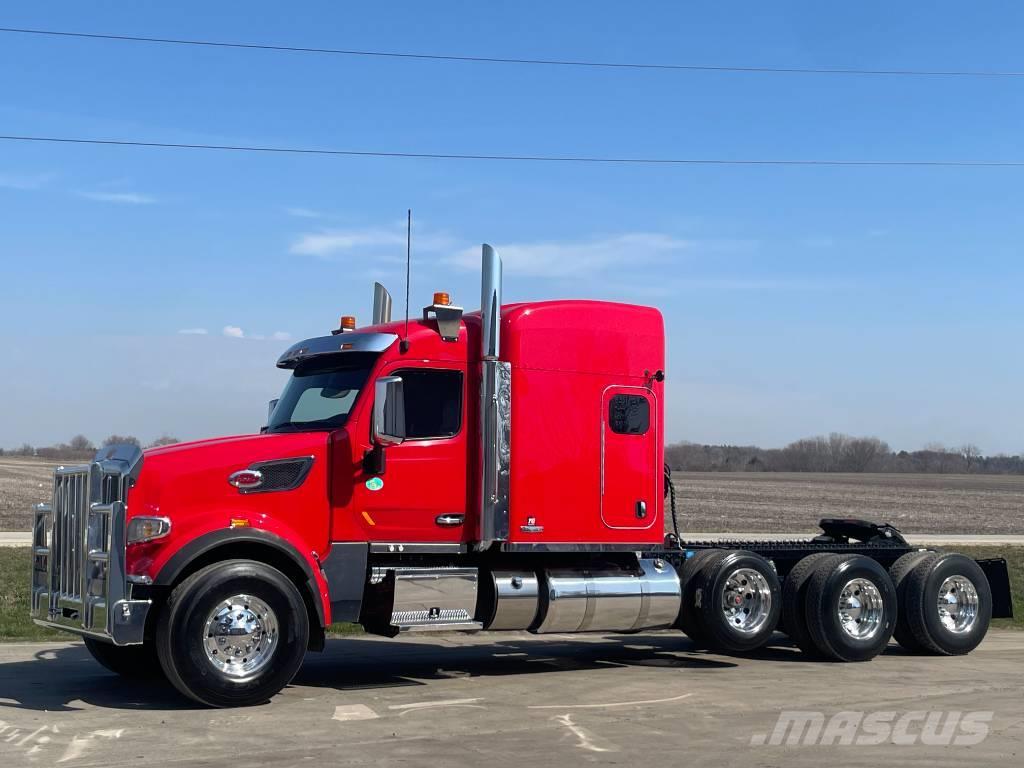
x: 319, y: 395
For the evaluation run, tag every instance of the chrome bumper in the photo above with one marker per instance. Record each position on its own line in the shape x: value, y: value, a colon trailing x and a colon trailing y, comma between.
x: 78, y: 551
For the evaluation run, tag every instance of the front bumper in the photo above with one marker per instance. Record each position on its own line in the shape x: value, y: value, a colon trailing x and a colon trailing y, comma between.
x: 78, y: 551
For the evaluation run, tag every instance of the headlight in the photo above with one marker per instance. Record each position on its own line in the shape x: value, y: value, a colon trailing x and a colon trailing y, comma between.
x: 142, y: 529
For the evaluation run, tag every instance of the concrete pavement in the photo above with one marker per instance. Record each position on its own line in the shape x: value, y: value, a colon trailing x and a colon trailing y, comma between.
x: 514, y: 699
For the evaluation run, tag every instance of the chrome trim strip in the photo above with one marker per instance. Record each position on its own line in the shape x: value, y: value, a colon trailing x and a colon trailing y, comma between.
x: 335, y: 345
x: 559, y: 546
x: 496, y: 450
x: 416, y: 548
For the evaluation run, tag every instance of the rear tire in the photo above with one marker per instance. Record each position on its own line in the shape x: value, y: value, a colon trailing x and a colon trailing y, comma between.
x: 794, y: 593
x: 898, y: 572
x: 690, y: 620
x: 851, y: 608
x: 133, y: 662
x: 233, y: 634
x: 740, y: 601
x: 948, y: 605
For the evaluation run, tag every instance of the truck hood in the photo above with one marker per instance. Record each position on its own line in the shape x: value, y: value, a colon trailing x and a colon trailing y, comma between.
x: 211, y: 442
x: 187, y: 477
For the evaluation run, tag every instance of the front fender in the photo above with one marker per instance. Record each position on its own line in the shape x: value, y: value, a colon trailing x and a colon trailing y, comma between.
x: 202, y: 547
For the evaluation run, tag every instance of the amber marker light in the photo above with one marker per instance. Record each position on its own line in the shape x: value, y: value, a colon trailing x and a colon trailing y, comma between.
x: 442, y: 299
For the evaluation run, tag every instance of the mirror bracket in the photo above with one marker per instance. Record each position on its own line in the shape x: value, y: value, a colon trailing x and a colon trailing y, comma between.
x: 375, y: 461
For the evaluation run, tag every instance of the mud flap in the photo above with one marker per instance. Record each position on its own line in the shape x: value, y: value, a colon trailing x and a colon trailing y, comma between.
x: 999, y: 581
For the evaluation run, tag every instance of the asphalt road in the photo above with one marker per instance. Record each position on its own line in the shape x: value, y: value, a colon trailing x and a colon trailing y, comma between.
x: 515, y: 700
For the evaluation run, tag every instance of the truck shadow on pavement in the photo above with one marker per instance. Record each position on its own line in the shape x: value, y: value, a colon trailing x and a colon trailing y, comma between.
x: 66, y: 678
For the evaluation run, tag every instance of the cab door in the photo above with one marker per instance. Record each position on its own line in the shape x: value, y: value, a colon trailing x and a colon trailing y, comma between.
x: 630, y: 477
x: 421, y: 497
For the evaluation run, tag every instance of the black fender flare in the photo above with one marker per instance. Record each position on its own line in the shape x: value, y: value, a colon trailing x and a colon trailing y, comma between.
x: 209, y: 542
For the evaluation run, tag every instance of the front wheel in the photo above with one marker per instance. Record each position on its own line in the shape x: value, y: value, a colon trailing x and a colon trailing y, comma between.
x: 134, y: 662
x: 233, y: 634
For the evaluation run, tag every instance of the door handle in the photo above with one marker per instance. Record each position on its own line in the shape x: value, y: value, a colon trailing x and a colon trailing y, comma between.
x: 641, y: 509
x: 450, y: 520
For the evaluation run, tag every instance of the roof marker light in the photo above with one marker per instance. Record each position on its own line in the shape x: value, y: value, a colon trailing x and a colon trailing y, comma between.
x: 442, y: 298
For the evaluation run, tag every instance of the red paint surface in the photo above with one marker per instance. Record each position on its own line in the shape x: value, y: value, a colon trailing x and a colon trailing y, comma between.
x: 565, y: 357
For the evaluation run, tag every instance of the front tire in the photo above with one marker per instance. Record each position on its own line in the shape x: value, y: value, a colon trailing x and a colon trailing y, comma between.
x: 132, y: 662
x: 233, y: 634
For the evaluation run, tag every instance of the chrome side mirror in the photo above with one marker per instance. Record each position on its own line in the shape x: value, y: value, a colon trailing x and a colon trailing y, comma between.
x: 388, y: 411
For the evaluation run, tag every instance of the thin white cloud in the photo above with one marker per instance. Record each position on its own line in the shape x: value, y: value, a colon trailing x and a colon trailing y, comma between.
x: 575, y: 258
x: 280, y: 336
x: 233, y: 332
x: 127, y: 198
x: 379, y: 242
x: 303, y: 213
x: 193, y: 331
x: 25, y: 181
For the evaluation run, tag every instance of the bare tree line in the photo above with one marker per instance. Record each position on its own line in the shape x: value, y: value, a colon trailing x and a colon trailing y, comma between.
x: 839, y: 453
x: 81, y: 447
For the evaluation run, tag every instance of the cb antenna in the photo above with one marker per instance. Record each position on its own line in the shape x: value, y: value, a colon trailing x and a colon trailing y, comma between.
x: 404, y: 346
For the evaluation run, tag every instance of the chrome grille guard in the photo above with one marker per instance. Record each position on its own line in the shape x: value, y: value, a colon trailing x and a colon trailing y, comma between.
x: 78, y: 551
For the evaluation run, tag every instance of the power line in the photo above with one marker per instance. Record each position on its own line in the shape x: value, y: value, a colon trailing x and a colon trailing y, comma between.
x: 540, y: 62
x: 519, y: 158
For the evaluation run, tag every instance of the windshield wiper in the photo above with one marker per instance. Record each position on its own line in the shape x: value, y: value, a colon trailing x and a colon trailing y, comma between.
x: 289, y: 426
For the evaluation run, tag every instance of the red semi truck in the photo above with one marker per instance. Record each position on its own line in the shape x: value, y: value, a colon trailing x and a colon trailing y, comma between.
x: 496, y: 470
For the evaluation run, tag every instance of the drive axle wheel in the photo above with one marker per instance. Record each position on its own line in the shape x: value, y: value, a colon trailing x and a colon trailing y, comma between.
x: 851, y: 608
x: 794, y: 594
x: 233, y: 634
x: 740, y: 601
x: 134, y: 662
x: 690, y: 620
x: 948, y: 604
x: 899, y: 571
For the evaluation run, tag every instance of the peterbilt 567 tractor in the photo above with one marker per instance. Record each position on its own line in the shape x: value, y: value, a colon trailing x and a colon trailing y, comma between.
x: 494, y: 470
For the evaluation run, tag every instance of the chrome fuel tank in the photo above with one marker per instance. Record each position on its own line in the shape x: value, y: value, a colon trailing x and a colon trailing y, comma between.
x: 610, y: 601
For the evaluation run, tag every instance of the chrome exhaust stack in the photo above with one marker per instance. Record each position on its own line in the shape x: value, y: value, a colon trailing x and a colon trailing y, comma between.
x: 495, y: 407
x: 381, y: 304
x: 490, y: 304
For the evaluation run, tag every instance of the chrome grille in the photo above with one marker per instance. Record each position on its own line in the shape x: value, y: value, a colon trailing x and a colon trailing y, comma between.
x: 78, y: 550
x: 70, y: 509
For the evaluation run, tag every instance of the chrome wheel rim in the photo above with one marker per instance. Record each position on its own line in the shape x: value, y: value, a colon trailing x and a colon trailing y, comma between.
x: 746, y: 601
x: 958, y: 604
x: 240, y: 636
x: 861, y: 609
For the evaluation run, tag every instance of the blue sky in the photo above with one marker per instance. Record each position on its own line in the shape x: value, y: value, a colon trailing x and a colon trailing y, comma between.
x: 798, y: 301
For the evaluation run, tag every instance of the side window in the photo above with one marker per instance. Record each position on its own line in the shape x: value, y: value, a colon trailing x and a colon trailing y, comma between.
x: 629, y: 414
x: 433, y: 402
